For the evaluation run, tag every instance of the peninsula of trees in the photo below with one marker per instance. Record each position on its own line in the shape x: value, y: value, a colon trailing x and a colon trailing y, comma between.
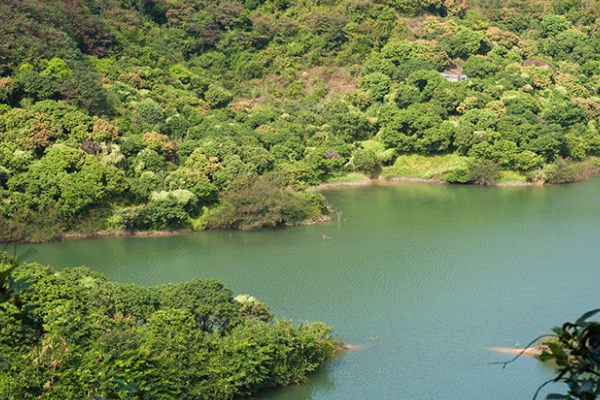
x: 128, y: 115
x: 77, y: 335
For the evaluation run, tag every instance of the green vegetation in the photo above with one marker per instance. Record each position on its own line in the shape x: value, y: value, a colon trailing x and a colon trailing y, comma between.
x: 575, y: 349
x: 162, y: 114
x: 443, y: 167
x: 85, y: 337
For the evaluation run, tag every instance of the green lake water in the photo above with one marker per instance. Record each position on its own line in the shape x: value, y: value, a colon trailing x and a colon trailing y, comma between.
x: 422, y: 277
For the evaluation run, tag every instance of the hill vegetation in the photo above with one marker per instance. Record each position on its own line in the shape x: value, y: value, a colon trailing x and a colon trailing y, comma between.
x: 127, y: 115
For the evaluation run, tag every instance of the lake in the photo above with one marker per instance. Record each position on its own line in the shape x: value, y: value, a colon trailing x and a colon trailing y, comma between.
x: 423, y: 278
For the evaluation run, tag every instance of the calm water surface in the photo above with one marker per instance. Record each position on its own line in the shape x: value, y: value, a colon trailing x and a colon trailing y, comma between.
x: 423, y: 277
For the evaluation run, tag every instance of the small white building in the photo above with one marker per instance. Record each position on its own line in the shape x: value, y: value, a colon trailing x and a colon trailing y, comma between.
x: 453, y: 77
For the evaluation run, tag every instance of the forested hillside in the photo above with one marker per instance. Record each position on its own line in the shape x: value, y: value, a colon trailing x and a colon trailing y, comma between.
x: 126, y: 115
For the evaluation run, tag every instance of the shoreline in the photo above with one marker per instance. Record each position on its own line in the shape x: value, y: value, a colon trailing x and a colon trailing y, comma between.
x: 381, y: 181
x: 366, y: 181
x: 530, y: 351
x: 378, y: 181
x: 103, y: 234
x: 162, y: 233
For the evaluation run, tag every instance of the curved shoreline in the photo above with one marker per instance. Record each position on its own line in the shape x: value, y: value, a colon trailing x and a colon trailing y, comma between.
x: 366, y: 181
x: 162, y: 233
x: 103, y: 234
x: 378, y: 181
x: 381, y: 181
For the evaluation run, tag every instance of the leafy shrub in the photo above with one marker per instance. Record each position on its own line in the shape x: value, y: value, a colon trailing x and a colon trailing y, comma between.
x: 553, y: 24
x: 376, y: 84
x: 159, y: 143
x: 482, y: 172
x: 264, y: 202
x: 560, y: 171
x: 459, y: 175
x: 217, y: 96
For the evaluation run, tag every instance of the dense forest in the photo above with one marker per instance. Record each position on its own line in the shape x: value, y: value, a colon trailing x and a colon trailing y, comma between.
x: 129, y: 115
x: 75, y: 335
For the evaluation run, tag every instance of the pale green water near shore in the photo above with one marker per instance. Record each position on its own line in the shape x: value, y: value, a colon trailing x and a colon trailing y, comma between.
x: 424, y: 276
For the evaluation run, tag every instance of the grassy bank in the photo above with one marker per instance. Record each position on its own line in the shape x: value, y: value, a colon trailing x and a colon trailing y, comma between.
x: 453, y: 168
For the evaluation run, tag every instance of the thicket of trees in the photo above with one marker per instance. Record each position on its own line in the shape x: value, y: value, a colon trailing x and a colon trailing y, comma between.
x: 73, y: 334
x: 159, y: 114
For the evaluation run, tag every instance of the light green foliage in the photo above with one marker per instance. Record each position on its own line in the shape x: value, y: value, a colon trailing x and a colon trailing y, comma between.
x: 435, y: 167
x: 553, y: 24
x: 253, y: 308
x: 57, y: 68
x: 178, y: 199
x: 363, y: 160
x: 112, y: 155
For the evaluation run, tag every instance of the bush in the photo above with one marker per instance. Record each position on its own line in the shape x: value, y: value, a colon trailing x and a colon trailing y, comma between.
x: 482, y: 172
x: 264, y: 202
x: 376, y: 84
x: 158, y: 143
x: 553, y: 24
x: 480, y: 67
x: 217, y: 96
x: 560, y: 171
x: 459, y: 175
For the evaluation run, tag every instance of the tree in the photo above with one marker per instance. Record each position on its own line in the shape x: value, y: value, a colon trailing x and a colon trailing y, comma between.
x: 11, y: 291
x: 480, y: 67
x: 376, y: 84
x: 553, y: 24
x: 217, y: 96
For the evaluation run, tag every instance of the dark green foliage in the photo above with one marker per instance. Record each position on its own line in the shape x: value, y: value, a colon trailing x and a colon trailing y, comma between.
x: 217, y: 96
x: 206, y: 300
x: 574, y: 348
x: 457, y: 176
x: 35, y: 86
x: 376, y: 84
x: 466, y: 42
x: 407, y: 95
x: 264, y: 202
x: 560, y: 172
x: 479, y: 67
x: 88, y: 336
x: 482, y: 172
